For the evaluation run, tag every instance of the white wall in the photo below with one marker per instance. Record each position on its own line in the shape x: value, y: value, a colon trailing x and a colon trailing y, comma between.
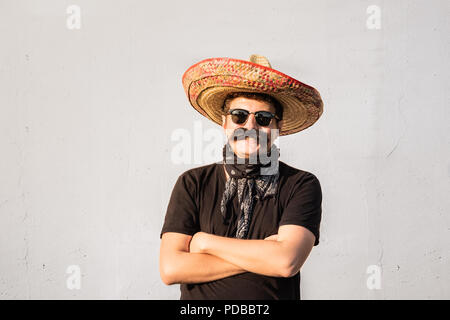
x: 86, y: 118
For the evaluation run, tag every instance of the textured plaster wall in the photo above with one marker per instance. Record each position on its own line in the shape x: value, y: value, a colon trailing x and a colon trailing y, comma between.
x: 87, y: 118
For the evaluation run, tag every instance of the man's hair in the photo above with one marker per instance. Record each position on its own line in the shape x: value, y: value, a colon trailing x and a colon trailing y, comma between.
x: 253, y: 95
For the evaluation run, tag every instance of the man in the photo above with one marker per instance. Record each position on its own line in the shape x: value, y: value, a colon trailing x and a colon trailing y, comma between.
x: 242, y: 229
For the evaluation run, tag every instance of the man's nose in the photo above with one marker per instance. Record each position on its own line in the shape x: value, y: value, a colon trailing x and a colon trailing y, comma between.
x: 251, y: 122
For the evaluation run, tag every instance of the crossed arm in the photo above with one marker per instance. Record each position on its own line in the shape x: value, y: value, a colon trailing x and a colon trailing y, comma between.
x: 206, y: 257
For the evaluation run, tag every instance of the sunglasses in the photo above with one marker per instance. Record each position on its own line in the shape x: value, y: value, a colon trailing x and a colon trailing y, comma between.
x: 263, y: 118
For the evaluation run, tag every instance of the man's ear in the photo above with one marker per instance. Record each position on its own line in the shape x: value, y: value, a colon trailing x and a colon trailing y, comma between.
x: 279, y: 124
x: 223, y: 121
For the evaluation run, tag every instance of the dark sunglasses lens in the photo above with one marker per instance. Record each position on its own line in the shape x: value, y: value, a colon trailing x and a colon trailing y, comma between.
x: 263, y: 118
x: 239, y: 116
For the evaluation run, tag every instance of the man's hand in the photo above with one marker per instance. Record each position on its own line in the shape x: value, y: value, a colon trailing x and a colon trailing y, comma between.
x: 198, y: 242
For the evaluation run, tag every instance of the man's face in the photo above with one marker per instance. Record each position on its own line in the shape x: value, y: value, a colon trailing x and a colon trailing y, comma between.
x: 243, y: 148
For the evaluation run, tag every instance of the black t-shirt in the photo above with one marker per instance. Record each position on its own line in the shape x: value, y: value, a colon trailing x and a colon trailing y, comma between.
x: 195, y: 206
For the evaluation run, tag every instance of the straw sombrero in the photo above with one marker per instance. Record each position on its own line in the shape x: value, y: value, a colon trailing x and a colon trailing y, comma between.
x: 208, y: 82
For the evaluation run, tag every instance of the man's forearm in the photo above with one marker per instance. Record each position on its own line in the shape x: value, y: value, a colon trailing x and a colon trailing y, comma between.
x: 188, y: 267
x: 264, y: 257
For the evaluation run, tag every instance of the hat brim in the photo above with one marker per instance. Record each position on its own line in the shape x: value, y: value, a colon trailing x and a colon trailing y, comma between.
x: 208, y: 83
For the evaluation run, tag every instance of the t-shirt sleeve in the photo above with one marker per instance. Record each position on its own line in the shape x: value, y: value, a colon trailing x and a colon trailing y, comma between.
x: 304, y: 207
x: 182, y: 212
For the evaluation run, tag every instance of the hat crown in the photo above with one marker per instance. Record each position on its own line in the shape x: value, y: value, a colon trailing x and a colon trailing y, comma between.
x: 261, y: 60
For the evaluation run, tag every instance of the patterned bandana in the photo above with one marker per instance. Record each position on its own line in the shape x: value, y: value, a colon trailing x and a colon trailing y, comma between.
x: 251, y: 181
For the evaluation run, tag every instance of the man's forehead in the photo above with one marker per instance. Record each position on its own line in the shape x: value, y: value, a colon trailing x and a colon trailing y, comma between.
x: 249, y: 103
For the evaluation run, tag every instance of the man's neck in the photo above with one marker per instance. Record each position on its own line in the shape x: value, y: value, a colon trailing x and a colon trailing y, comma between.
x: 226, y: 173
